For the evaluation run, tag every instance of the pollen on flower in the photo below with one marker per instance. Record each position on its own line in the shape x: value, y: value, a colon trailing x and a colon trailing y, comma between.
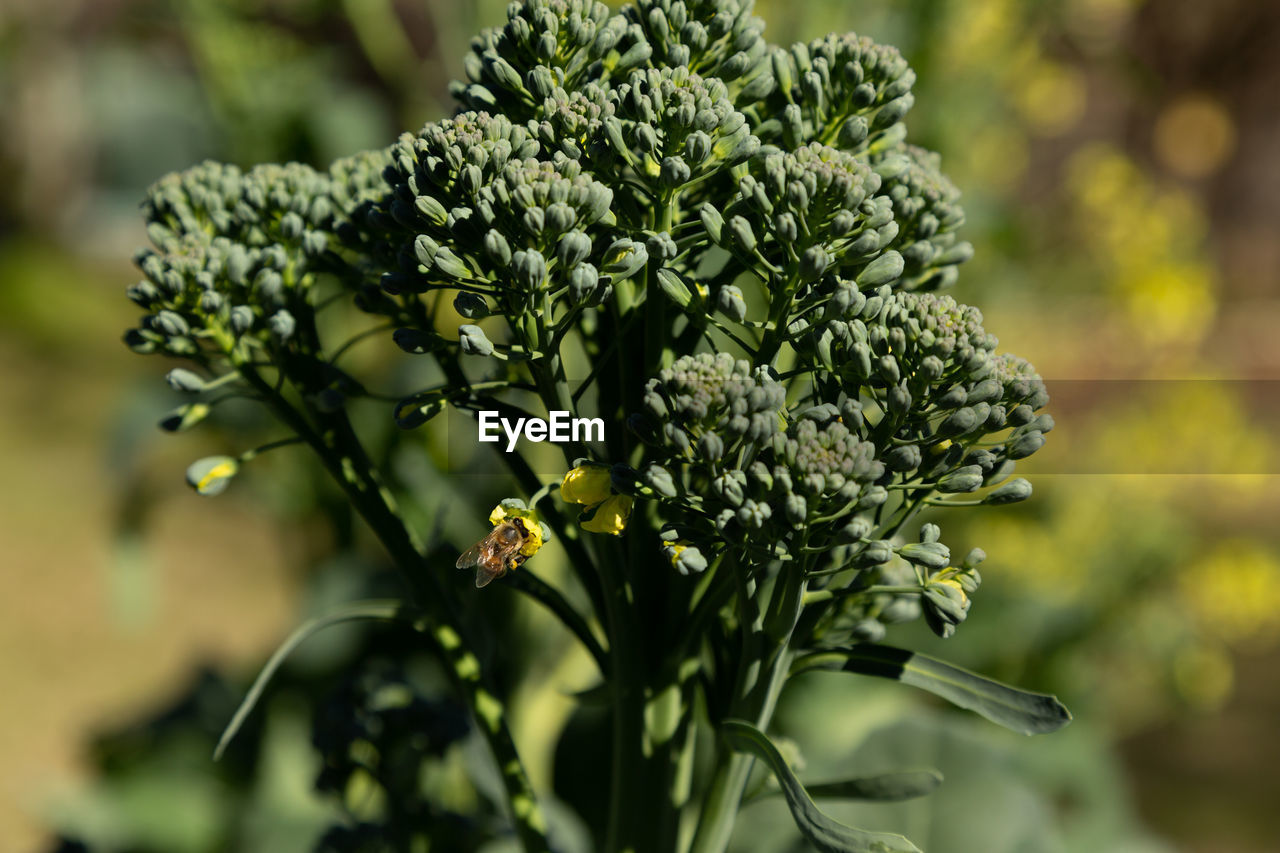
x: 529, y: 520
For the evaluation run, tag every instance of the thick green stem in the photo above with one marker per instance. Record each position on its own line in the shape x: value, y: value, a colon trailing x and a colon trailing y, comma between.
x: 757, y: 704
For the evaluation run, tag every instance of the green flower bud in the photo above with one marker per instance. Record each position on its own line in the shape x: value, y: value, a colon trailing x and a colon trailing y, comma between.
x: 986, y: 391
x: 874, y: 554
x: 853, y: 133
x: 530, y: 269
x: 539, y: 81
x: 472, y: 340
x: 185, y: 417
x: 471, y: 305
x: 930, y: 532
x: 930, y: 555
x: 660, y: 480
x: 872, y: 497
x: 974, y: 558
x: 892, y: 112
x: 753, y: 515
x: 282, y: 324
x: 450, y: 264
x: 898, y: 400
x: 432, y: 210
x: 212, y: 474
x: 675, y: 172
x: 1011, y: 492
x: 584, y: 282
x: 170, y: 323
x: 184, y: 381
x: 904, y: 458
x: 1021, y: 416
x: 625, y: 258
x: 965, y: 479
x: 646, y: 139
x: 856, y: 530
x: 883, y: 270
x: 731, y: 303
x: 674, y: 287
x: 712, y: 221
x: 574, y: 247
x: 711, y: 446
x: 796, y: 508
x: 814, y: 262
x: 960, y: 422
x: 661, y: 246
x: 697, y: 148
x: 743, y: 237
x: 945, y: 607
x: 887, y: 368
x: 1025, y: 445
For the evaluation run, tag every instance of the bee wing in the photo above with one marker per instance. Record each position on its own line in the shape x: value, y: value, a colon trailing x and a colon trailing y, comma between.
x: 487, y: 574
x: 472, y: 555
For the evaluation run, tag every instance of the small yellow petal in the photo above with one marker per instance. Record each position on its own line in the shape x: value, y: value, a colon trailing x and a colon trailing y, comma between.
x: 587, y: 484
x: 610, y: 516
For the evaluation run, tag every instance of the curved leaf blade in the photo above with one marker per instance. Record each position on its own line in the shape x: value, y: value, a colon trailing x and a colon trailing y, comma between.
x: 1019, y: 710
x: 384, y: 610
x: 823, y: 832
x: 884, y: 788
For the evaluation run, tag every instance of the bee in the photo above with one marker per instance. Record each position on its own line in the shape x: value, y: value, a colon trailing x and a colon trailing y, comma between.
x: 502, y: 550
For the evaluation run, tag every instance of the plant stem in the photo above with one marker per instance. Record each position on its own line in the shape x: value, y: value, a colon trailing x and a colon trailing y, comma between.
x: 720, y: 808
x: 343, y: 456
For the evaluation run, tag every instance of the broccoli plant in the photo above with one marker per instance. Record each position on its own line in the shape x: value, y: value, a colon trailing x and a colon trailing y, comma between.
x: 726, y: 252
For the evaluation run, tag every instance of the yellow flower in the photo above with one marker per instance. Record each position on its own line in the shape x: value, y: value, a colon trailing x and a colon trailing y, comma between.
x: 587, y: 484
x: 531, y: 524
x: 675, y: 549
x: 610, y: 515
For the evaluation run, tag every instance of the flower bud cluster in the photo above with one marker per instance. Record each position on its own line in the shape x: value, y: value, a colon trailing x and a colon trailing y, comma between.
x: 471, y: 208
x: 807, y: 212
x: 712, y: 402
x: 675, y: 127
x: 546, y: 44
x: 714, y: 37
x: 930, y: 366
x: 232, y: 257
x: 844, y: 90
x: 926, y: 210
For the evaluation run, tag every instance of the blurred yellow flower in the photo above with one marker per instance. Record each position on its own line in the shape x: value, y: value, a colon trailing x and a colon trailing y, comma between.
x: 1194, y: 136
x: 1234, y: 592
x: 1050, y: 97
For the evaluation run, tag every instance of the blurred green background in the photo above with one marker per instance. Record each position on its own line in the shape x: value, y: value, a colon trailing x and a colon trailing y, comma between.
x: 1118, y: 163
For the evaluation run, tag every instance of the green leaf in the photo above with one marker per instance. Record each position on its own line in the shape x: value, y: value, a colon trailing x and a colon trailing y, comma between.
x: 1019, y: 710
x: 385, y: 610
x: 822, y: 832
x: 885, y: 788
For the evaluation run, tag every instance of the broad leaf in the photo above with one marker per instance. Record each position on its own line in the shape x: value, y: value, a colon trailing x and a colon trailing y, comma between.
x: 823, y: 832
x: 1019, y: 710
